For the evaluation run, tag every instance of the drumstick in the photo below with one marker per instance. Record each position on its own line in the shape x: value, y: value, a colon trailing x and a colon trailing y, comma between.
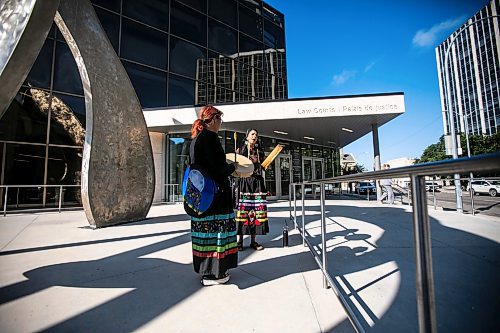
x: 235, y: 136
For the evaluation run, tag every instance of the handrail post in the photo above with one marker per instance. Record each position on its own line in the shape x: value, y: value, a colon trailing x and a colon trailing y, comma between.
x: 423, y: 257
x: 303, y: 217
x: 471, y: 192
x: 434, y: 193
x: 294, y: 205
x: 60, y: 197
x: 5, y: 201
x: 323, y: 234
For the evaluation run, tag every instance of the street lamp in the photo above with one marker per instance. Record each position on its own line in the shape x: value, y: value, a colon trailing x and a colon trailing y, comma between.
x: 458, y: 190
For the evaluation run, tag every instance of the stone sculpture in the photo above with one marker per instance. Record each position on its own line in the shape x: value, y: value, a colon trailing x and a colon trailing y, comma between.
x: 117, y: 166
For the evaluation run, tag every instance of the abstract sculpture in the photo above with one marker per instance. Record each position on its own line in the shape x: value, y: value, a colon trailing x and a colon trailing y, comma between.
x: 117, y: 165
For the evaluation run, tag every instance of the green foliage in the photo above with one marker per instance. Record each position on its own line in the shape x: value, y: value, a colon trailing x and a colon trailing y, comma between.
x: 481, y: 144
x: 478, y: 145
x: 434, y: 152
x: 358, y: 168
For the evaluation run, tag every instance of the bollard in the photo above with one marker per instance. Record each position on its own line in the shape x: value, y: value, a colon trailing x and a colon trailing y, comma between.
x: 285, y: 235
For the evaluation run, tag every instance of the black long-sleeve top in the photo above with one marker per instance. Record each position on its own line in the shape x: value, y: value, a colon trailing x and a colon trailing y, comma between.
x: 208, y: 153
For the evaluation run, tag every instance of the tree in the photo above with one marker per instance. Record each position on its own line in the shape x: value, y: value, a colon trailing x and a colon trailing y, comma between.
x: 434, y: 152
x: 349, y: 170
x: 478, y: 145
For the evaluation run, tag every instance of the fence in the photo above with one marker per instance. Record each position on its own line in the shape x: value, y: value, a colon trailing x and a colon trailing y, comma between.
x: 172, y: 193
x: 59, y: 194
x: 421, y: 226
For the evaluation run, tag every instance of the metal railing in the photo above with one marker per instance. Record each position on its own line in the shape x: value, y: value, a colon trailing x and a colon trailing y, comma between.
x: 7, y: 187
x: 421, y: 226
x: 171, y: 190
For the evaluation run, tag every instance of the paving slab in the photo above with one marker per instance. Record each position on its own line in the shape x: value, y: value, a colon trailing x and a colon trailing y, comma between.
x: 57, y: 274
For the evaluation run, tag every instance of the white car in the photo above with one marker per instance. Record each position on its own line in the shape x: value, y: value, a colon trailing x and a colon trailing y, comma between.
x: 483, y: 186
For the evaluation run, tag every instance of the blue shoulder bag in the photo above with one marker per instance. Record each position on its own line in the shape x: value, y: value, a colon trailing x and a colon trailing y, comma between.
x: 199, y: 190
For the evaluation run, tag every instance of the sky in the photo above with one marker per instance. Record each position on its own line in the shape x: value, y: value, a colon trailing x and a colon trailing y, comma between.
x: 337, y: 47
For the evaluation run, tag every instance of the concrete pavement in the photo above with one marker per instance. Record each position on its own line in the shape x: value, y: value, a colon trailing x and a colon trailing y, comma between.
x: 57, y: 274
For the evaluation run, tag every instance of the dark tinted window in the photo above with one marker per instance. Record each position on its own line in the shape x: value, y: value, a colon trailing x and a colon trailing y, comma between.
x: 39, y: 75
x: 248, y: 44
x: 254, y: 6
x: 273, y: 15
x: 64, y: 165
x: 188, y: 24
x: 221, y: 38
x: 250, y: 23
x: 223, y: 10
x: 66, y: 75
x: 27, y: 165
x: 109, y: 4
x: 273, y: 36
x: 143, y: 44
x: 201, y: 5
x: 180, y: 91
x: 185, y: 58
x: 152, y: 12
x: 149, y: 84
x: 204, y: 94
x: 223, y: 95
x: 111, y: 25
x: 52, y: 31
x: 221, y: 70
x: 24, y: 120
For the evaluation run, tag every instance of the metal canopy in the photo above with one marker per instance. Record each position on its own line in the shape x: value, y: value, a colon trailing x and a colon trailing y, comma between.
x: 328, y: 121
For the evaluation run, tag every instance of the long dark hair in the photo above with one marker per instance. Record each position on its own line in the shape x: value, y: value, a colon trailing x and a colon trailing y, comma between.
x: 246, y: 146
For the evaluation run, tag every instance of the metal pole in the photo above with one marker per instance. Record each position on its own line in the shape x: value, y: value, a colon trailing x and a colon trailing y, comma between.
x: 323, y: 234
x: 289, y: 199
x: 5, y: 201
x: 60, y: 197
x: 294, y: 204
x: 469, y: 155
x: 303, y: 217
x: 471, y: 195
x: 376, y: 156
x: 434, y: 192
x: 423, y: 258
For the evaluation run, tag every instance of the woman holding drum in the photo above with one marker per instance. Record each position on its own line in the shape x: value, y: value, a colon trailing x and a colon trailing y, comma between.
x: 251, y: 215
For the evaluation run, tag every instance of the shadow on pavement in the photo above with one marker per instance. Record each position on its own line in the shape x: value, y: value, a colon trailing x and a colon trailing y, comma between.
x: 466, y: 271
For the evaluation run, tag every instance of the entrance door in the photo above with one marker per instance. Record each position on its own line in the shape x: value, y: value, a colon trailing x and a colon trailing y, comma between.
x: 284, y: 175
x: 312, y: 169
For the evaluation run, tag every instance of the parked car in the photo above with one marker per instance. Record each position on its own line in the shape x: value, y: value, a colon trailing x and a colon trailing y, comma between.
x: 432, y: 186
x: 364, y: 187
x: 485, y: 186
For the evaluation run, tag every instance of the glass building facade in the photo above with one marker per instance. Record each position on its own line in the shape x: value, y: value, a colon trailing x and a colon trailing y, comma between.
x: 176, y: 53
x: 474, y: 73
